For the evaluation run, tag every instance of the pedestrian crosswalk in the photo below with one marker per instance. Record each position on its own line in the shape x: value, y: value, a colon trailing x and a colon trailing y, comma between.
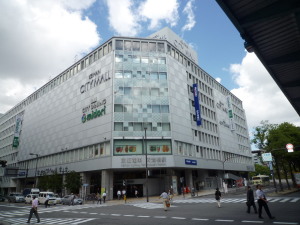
x: 235, y: 200
x: 73, y: 221
x: 149, y: 205
x: 25, y: 210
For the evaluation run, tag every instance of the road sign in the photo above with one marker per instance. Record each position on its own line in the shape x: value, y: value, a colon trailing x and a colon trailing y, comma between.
x: 85, y: 185
x: 290, y: 147
x: 267, y: 157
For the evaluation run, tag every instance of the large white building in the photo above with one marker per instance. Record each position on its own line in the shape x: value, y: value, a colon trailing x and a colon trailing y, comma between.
x: 129, y: 96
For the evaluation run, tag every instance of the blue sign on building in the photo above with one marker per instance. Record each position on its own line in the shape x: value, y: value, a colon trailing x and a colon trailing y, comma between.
x: 190, y: 162
x: 197, y: 105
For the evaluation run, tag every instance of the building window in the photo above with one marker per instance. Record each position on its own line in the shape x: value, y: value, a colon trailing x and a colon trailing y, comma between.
x: 144, y: 46
x: 145, y: 60
x: 136, y: 46
x: 119, y: 45
x: 119, y: 58
x: 152, y: 47
x: 161, y: 60
x: 136, y: 59
x: 118, y: 126
x: 118, y: 74
x: 127, y: 45
x: 160, y: 47
x: 119, y: 108
x: 162, y: 75
x: 165, y: 109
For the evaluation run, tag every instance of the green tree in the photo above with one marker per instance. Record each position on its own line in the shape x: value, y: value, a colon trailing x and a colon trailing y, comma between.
x: 260, y: 170
x: 73, y: 181
x: 273, y: 138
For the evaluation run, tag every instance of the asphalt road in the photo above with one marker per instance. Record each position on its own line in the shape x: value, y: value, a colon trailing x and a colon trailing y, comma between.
x: 202, y: 210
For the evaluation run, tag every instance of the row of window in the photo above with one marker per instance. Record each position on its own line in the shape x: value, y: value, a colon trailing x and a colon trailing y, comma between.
x: 128, y: 74
x: 140, y: 59
x: 136, y: 126
x: 144, y: 46
x: 138, y: 108
x: 207, y: 138
x: 89, y: 152
x: 142, y: 91
x: 201, y: 86
x: 203, y: 98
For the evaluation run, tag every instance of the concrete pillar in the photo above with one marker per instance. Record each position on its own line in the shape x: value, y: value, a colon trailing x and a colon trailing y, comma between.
x: 107, y: 183
x: 189, y: 178
x: 86, y: 180
x: 18, y: 185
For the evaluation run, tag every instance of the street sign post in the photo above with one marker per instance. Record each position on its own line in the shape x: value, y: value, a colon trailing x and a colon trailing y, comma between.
x: 290, y: 147
x: 267, y: 157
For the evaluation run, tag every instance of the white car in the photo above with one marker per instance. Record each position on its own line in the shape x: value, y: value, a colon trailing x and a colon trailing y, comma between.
x: 57, y: 199
x: 28, y: 198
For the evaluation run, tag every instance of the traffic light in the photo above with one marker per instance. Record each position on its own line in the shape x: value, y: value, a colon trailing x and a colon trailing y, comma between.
x: 3, y: 163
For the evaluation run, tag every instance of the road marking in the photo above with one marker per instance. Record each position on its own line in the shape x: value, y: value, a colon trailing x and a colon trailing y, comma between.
x: 274, y: 200
x: 144, y: 216
x: 284, y: 223
x: 224, y: 220
x: 295, y: 199
x: 160, y: 217
x: 178, y: 218
x: 199, y: 219
x: 129, y: 215
x: 93, y: 213
x: 103, y: 214
x: 250, y: 221
x: 285, y: 200
x: 115, y: 214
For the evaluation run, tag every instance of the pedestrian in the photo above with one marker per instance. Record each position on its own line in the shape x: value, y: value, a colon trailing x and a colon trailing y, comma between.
x: 47, y: 201
x: 123, y: 193
x: 119, y: 194
x: 72, y: 199
x: 170, y: 193
x: 98, y: 198
x: 136, y: 193
x: 104, y: 196
x: 262, y: 202
x: 33, y: 209
x: 250, y: 200
x: 166, y: 199
x: 218, y: 197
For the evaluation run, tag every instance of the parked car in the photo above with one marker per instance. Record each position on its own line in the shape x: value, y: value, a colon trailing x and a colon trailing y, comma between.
x: 15, y: 197
x: 2, y: 199
x: 43, y: 197
x: 57, y: 199
x: 28, y: 198
x: 66, y: 200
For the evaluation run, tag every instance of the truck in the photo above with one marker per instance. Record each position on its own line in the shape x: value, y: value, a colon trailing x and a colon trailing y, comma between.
x: 28, y: 191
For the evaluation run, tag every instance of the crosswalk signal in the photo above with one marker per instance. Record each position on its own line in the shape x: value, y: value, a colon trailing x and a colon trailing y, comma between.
x: 3, y: 163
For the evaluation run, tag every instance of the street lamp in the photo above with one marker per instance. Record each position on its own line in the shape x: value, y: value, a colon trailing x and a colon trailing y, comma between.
x: 223, y: 161
x: 146, y: 154
x: 37, y: 155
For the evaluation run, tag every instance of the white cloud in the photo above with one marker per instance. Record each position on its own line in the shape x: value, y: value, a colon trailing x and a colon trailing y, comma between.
x: 126, y: 16
x: 218, y: 79
x: 122, y: 17
x: 157, y: 11
x: 39, y: 39
x: 262, y: 98
x: 188, y: 10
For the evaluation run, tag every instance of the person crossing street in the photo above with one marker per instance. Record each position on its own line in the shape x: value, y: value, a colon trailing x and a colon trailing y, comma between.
x: 33, y: 210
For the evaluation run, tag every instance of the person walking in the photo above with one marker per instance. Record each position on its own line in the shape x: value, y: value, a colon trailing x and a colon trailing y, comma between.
x: 250, y: 200
x: 136, y: 193
x: 262, y: 202
x: 72, y: 199
x: 119, y: 194
x: 47, y: 201
x: 218, y: 197
x: 165, y: 198
x: 33, y: 209
x: 104, y: 196
x: 98, y: 198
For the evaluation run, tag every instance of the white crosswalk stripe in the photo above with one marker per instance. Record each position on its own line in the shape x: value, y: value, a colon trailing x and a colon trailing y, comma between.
x: 73, y: 221
x: 26, y: 209
x: 150, y: 205
x: 234, y: 200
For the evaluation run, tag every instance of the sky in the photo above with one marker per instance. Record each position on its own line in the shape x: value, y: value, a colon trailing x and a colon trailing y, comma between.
x: 41, y: 38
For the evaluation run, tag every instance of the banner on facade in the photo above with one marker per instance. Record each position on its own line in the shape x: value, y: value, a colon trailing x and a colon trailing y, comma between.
x: 197, y: 105
x: 17, y: 131
x: 230, y: 112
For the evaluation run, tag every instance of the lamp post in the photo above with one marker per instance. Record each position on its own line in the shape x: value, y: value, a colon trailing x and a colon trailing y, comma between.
x: 223, y: 162
x: 146, y: 154
x: 36, y: 155
x: 26, y: 174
